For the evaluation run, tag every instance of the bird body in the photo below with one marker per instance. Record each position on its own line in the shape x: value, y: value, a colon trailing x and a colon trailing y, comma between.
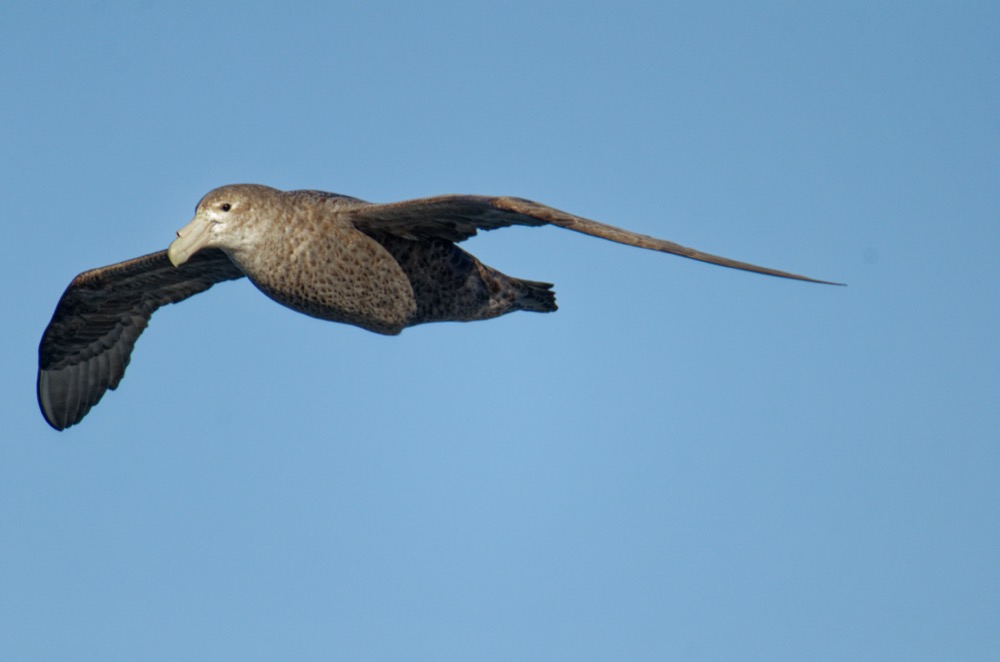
x: 311, y: 257
x: 382, y: 267
x: 313, y: 260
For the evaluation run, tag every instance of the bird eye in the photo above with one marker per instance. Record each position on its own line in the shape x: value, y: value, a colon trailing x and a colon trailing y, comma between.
x: 225, y: 206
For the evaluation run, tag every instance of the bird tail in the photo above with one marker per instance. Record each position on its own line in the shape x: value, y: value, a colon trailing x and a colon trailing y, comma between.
x: 535, y: 296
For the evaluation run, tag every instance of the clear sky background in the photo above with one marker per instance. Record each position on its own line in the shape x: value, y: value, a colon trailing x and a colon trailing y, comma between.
x: 685, y: 462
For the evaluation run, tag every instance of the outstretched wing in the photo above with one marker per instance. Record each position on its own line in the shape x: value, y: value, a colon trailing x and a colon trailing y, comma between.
x: 87, y: 345
x: 458, y: 217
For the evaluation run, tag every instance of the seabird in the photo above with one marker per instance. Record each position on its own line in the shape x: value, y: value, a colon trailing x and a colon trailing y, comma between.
x: 382, y: 267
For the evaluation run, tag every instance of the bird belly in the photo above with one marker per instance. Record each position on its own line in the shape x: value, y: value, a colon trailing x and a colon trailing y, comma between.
x: 347, y: 278
x: 450, y: 285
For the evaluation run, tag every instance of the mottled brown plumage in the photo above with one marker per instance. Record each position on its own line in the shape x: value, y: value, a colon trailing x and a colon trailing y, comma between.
x: 382, y: 267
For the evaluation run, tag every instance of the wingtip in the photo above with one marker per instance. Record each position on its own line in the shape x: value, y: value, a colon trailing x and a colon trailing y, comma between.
x: 45, y: 402
x: 805, y: 279
x: 826, y: 282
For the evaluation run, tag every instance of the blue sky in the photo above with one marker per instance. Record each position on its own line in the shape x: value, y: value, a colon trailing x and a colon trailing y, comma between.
x: 684, y: 462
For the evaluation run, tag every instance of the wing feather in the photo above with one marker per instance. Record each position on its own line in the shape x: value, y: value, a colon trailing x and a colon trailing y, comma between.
x: 86, y: 347
x: 451, y: 217
x: 458, y: 217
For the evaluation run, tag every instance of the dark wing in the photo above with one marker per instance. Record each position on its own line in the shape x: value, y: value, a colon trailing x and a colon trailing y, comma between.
x: 458, y: 217
x: 87, y: 345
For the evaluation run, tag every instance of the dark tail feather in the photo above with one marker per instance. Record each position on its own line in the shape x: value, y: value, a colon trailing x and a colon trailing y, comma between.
x: 535, y: 296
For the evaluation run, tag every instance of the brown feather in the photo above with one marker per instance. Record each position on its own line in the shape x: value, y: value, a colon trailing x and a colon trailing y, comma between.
x: 87, y: 344
x: 458, y: 217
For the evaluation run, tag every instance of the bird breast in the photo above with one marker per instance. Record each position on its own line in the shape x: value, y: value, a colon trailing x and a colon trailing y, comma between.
x: 337, y: 274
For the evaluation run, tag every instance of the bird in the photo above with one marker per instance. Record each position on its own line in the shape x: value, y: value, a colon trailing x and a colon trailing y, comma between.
x: 381, y: 267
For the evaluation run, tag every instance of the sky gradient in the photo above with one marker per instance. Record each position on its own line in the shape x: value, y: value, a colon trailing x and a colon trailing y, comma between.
x: 684, y: 462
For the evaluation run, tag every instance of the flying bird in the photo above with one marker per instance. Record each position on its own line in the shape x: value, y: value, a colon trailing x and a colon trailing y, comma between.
x: 382, y: 267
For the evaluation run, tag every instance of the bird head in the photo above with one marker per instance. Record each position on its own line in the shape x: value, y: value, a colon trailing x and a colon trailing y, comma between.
x: 223, y: 219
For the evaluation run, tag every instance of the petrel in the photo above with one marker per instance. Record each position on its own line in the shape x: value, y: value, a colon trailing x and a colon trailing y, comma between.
x: 382, y: 267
